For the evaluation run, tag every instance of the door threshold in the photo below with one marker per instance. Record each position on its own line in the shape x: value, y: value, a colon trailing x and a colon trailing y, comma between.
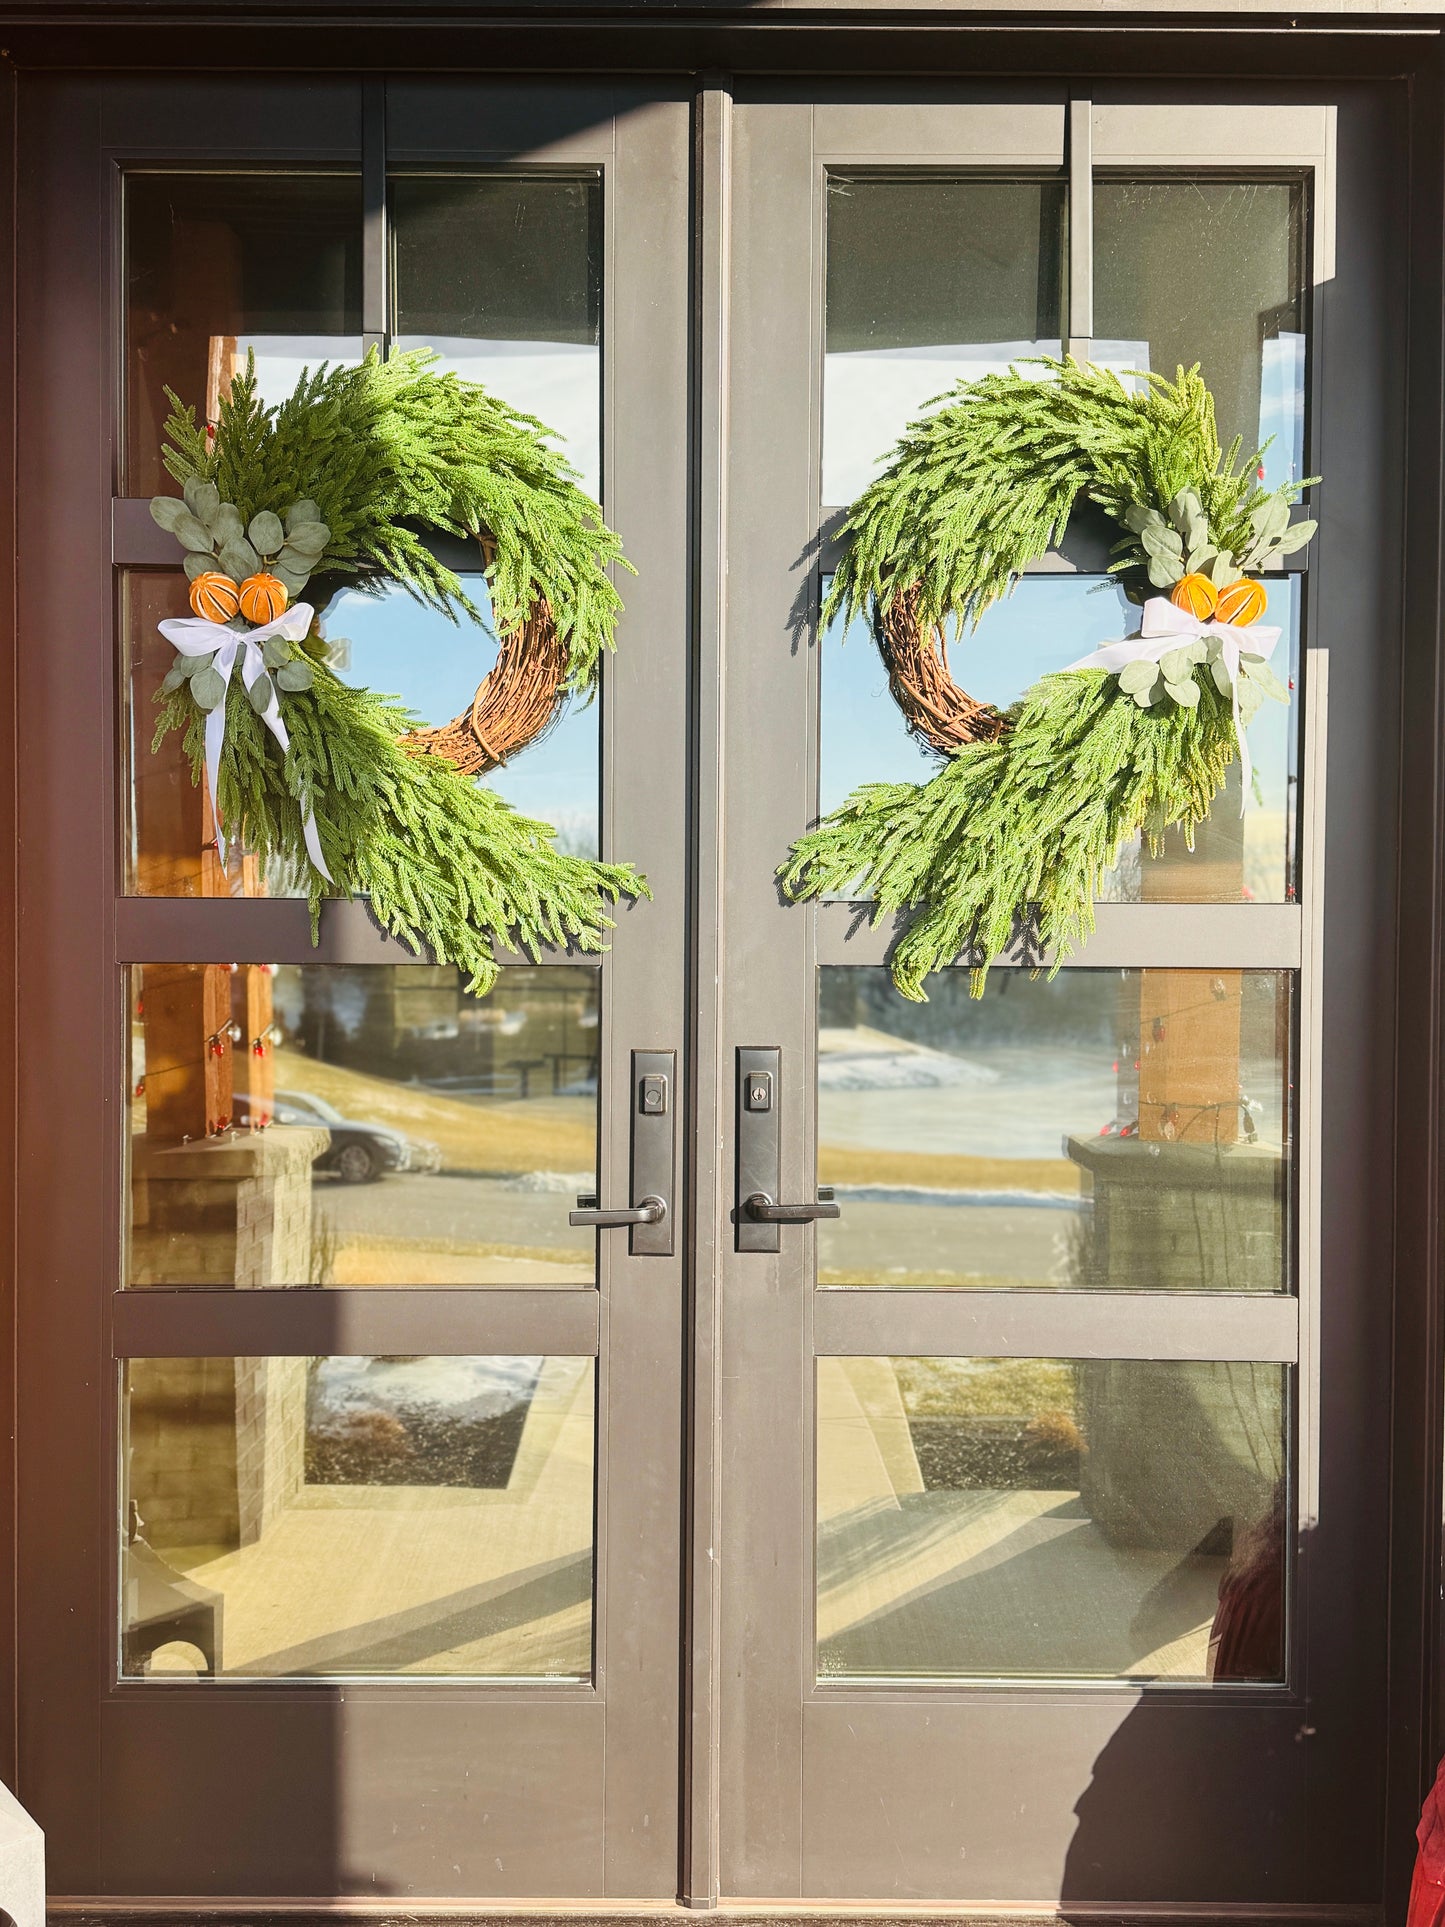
x: 95, y: 1912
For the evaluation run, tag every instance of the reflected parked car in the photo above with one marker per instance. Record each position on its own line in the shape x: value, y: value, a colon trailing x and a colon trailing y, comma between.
x: 359, y: 1149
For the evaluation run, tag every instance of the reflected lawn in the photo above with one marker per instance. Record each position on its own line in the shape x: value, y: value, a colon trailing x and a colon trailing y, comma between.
x: 495, y: 1136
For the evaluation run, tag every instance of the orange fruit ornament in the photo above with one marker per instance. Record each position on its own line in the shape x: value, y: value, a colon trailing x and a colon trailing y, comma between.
x: 215, y: 596
x: 262, y: 598
x: 1196, y: 595
x: 1241, y: 603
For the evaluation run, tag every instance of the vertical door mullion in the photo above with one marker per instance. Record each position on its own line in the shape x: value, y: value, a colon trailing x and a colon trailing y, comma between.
x: 1079, y: 336
x: 375, y: 241
x: 645, y: 775
x: 766, y: 984
x: 709, y: 1083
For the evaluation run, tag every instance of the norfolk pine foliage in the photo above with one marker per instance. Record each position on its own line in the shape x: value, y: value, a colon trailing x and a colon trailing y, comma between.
x: 1025, y: 826
x: 371, y: 452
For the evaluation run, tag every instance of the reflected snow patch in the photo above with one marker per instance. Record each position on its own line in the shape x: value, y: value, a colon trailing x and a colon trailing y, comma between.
x: 860, y: 1064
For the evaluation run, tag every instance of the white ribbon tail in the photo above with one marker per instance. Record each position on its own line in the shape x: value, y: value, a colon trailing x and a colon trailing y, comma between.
x: 1230, y: 652
x: 195, y: 636
x: 252, y: 666
x: 1164, y: 627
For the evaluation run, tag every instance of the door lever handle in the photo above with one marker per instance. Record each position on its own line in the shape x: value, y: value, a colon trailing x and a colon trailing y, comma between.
x: 761, y: 1209
x: 650, y: 1211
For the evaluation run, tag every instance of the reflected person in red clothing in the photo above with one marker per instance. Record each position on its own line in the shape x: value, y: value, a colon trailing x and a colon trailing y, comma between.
x: 1427, y: 1890
x: 1246, y: 1640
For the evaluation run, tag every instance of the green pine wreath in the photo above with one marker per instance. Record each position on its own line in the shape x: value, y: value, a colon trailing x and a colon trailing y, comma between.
x: 1033, y: 805
x: 340, y: 483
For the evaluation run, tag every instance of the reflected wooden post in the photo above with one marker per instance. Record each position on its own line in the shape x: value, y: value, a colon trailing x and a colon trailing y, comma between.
x: 254, y: 1070
x: 186, y: 1013
x: 168, y: 327
x: 1178, y: 1219
x: 175, y: 852
x: 223, y: 363
x: 1189, y: 1055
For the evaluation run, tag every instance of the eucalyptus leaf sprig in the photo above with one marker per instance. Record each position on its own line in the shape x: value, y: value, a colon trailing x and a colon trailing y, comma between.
x: 1179, y: 541
x: 216, y: 536
x: 287, y: 667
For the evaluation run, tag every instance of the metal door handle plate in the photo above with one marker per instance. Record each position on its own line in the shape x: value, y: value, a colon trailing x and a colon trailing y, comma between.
x: 761, y: 1209
x: 652, y: 1210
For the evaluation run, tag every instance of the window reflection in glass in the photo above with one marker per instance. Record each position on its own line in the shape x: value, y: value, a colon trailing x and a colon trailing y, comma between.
x: 1124, y: 1130
x: 360, y: 1125
x: 501, y: 274
x: 930, y: 280
x: 170, y: 831
x: 1047, y: 623
x: 217, y: 265
x: 303, y: 1518
x: 1210, y: 271
x: 1043, y: 1518
x: 388, y: 642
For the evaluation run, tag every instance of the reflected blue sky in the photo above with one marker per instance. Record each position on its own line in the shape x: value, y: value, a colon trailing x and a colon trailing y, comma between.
x: 1047, y: 623
x: 399, y: 648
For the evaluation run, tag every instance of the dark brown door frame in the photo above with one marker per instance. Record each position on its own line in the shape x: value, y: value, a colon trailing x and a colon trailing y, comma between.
x: 104, y: 35
x: 1417, y: 1548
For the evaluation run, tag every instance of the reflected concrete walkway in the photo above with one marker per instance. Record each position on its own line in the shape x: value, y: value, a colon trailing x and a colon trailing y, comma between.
x: 980, y: 1582
x: 424, y: 1579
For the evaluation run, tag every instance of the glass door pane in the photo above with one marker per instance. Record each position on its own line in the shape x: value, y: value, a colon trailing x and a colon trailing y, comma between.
x: 222, y: 265
x: 1045, y: 1518
x: 308, y: 1125
x: 930, y: 280
x: 500, y: 274
x: 357, y: 1518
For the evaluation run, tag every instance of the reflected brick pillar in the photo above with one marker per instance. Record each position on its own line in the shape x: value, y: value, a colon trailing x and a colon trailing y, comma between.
x: 1181, y: 1204
x: 270, y: 1441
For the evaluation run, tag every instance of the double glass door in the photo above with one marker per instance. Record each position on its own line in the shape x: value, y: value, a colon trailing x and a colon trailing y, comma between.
x: 1017, y: 1533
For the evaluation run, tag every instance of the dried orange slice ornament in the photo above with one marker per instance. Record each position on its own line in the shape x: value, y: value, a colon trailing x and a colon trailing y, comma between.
x: 1242, y: 603
x: 263, y: 598
x: 1196, y: 595
x: 215, y: 596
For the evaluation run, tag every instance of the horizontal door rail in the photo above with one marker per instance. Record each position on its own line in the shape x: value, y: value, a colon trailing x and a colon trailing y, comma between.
x: 272, y: 930
x: 371, y: 1323
x: 1181, y: 936
x: 1055, y: 1324
x: 137, y: 542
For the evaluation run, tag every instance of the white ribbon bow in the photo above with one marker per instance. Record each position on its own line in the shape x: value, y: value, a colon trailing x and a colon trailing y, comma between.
x: 1164, y: 628
x: 196, y: 636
